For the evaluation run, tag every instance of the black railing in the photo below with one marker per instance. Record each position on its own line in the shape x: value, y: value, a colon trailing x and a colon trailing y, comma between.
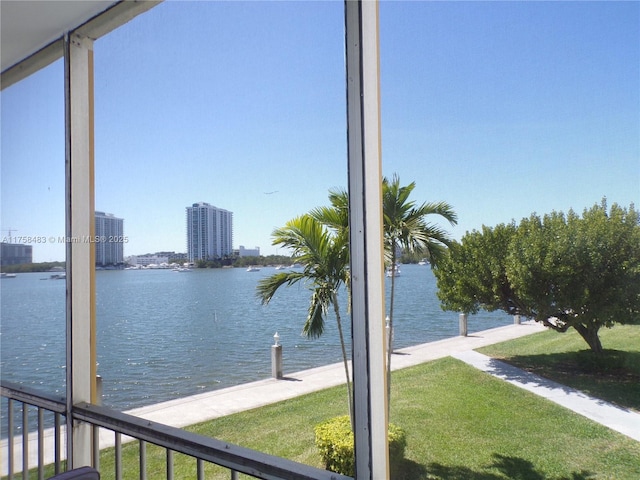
x: 174, y: 440
x: 16, y: 449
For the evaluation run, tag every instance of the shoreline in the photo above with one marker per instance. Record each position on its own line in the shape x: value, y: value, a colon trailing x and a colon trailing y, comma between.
x: 207, y: 406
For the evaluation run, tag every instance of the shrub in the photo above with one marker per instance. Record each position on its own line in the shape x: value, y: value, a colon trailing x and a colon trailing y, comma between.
x: 334, y: 440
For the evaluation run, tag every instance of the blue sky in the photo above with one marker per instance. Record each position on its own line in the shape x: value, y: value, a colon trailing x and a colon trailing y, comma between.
x: 499, y: 108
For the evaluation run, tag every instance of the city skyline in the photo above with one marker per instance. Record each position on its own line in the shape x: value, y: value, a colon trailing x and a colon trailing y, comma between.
x: 501, y: 109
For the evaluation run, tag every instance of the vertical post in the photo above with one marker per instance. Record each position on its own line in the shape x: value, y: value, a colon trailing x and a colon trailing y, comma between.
x: 516, y: 319
x: 365, y: 239
x: 276, y: 358
x: 80, y: 251
x: 462, y: 320
x: 388, y: 333
x: 98, y: 400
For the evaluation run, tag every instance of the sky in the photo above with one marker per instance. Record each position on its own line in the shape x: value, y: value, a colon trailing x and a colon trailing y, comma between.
x: 501, y: 109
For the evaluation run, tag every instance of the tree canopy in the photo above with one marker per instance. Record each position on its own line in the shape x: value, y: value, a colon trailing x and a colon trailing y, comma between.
x: 562, y: 270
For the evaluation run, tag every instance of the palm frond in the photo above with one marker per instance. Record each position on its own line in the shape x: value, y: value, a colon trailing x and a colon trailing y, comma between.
x: 442, y: 209
x: 314, y: 325
x: 268, y: 286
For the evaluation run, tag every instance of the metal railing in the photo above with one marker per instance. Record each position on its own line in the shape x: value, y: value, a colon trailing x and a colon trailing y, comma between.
x: 202, y: 449
x: 19, y: 449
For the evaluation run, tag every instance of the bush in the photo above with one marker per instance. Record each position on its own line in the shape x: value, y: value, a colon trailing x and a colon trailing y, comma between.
x: 334, y: 440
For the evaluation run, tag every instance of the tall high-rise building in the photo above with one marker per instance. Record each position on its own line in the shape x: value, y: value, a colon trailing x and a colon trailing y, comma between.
x: 109, y: 239
x: 16, y: 254
x: 209, y: 232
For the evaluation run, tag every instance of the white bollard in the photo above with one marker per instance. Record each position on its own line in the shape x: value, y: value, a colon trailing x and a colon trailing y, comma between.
x: 462, y: 319
x: 516, y: 319
x: 276, y: 358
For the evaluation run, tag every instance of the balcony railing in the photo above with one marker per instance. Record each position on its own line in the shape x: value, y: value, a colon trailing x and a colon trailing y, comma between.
x: 49, y: 442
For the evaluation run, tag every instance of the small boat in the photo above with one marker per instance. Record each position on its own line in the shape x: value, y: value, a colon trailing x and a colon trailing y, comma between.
x: 393, y: 272
x: 422, y: 262
x: 8, y: 275
x: 58, y: 276
x: 253, y: 269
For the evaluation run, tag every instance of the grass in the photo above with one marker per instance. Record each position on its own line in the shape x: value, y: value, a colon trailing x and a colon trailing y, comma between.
x: 460, y: 424
x: 613, y: 376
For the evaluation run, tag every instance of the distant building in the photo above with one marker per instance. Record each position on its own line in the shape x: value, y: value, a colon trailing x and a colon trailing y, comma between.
x: 157, y: 258
x: 148, y: 259
x: 16, y: 254
x: 248, y: 252
x: 209, y: 232
x: 110, y: 244
x: 173, y: 256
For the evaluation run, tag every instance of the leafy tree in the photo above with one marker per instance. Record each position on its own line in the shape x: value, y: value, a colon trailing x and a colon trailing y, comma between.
x: 561, y: 270
x: 405, y: 227
x: 473, y: 276
x: 324, y: 256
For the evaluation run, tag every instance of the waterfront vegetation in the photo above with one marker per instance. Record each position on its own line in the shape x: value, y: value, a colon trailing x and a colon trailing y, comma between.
x: 32, y: 267
x: 460, y: 423
x: 565, y: 271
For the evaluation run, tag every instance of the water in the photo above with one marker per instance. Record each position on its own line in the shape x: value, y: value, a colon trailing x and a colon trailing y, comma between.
x: 163, y: 334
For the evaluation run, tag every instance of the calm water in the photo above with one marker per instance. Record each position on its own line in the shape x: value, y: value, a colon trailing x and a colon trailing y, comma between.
x: 164, y: 334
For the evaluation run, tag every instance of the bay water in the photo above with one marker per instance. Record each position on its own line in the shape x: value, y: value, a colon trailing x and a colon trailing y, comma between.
x: 163, y: 334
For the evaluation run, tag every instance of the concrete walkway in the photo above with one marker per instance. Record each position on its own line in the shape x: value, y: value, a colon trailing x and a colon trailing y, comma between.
x: 619, y: 419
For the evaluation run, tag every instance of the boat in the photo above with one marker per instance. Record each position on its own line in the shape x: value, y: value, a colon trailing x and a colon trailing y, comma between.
x: 253, y: 269
x: 8, y: 275
x: 58, y: 276
x: 393, y: 272
x: 422, y: 262
x: 181, y: 269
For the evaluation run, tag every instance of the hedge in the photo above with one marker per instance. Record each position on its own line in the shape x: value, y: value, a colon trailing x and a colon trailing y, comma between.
x: 334, y: 439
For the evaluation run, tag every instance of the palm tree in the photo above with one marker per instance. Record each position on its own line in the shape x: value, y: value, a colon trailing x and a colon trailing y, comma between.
x: 405, y: 227
x: 324, y: 255
x: 336, y: 216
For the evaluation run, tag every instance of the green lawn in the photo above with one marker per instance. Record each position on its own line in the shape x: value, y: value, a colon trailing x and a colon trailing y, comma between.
x: 460, y: 424
x: 565, y: 357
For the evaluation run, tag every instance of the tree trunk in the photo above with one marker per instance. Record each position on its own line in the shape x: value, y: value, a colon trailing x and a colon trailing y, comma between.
x: 590, y: 335
x: 390, y: 339
x: 344, y: 357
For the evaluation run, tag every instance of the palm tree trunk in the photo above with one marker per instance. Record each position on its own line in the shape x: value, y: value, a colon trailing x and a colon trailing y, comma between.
x: 344, y: 357
x: 390, y: 339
